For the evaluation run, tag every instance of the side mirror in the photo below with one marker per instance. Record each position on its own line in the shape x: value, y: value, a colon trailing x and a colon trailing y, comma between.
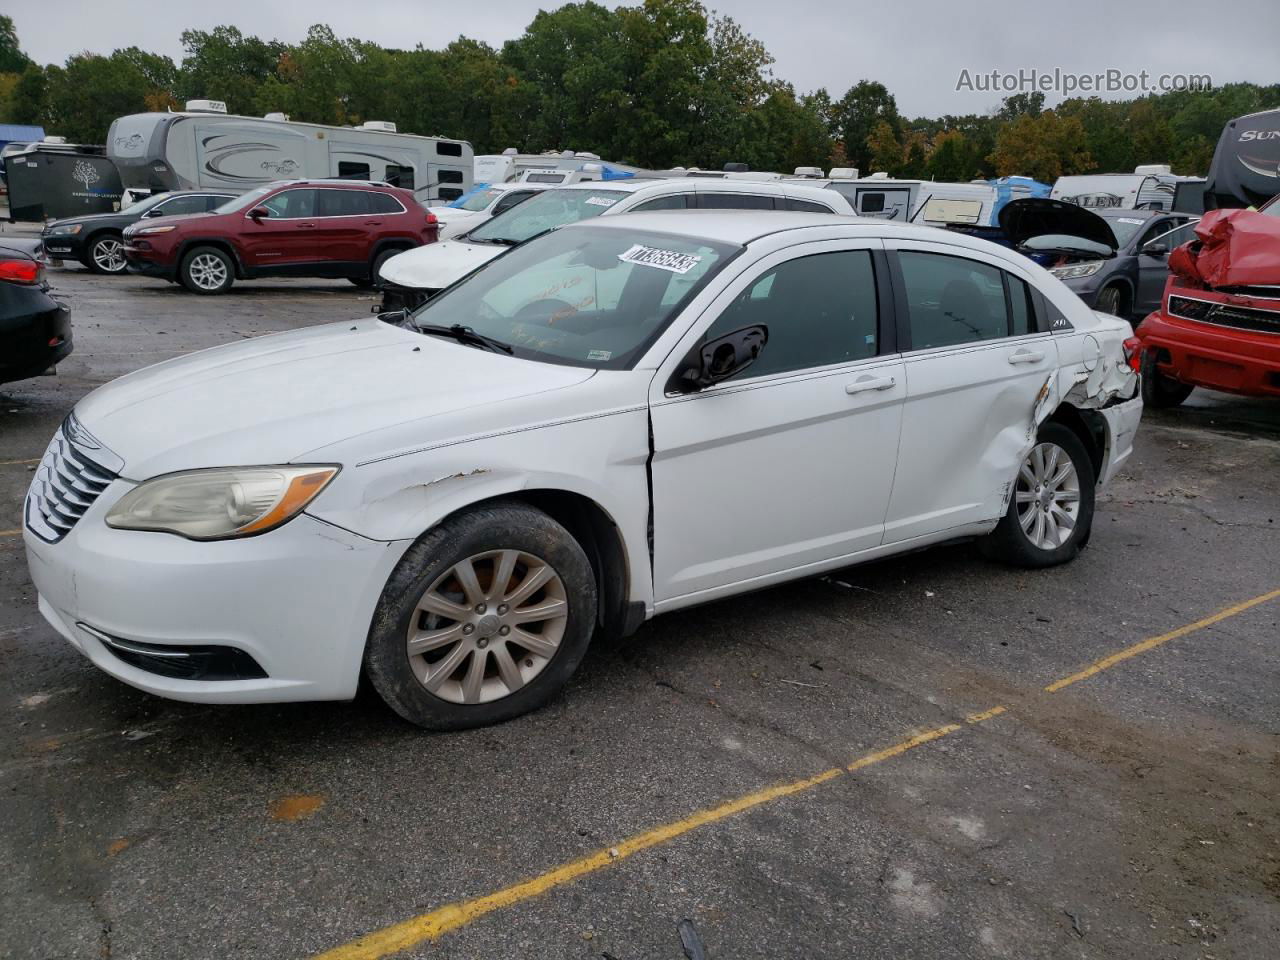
x: 720, y: 359
x: 155, y: 212
x: 259, y: 213
x: 1156, y: 249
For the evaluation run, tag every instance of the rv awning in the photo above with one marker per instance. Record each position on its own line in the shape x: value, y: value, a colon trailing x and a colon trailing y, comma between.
x: 10, y: 132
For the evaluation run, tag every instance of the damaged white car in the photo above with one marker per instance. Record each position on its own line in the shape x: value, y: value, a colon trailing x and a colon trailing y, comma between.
x: 620, y: 418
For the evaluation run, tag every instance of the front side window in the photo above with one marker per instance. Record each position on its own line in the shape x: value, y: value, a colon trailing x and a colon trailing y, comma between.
x: 292, y: 204
x: 546, y: 211
x: 952, y: 300
x: 820, y: 310
x: 587, y: 297
x: 246, y: 201
x: 512, y: 198
x: 181, y: 206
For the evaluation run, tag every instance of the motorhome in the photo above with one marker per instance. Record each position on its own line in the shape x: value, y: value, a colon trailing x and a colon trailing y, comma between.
x: 204, y: 147
x: 1149, y: 187
x: 1245, y: 171
x: 52, y: 179
x: 511, y: 165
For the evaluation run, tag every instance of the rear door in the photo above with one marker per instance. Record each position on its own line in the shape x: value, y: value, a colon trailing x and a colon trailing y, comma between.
x: 975, y: 363
x: 345, y: 224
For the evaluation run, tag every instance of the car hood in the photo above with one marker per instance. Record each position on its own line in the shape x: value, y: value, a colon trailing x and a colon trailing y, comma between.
x: 1032, y: 217
x: 275, y: 398
x: 163, y: 221
x: 437, y: 265
x: 88, y: 219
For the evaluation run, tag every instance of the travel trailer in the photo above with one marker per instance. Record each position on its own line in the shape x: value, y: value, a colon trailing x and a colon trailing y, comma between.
x: 1245, y: 171
x: 543, y: 167
x: 52, y: 179
x: 204, y: 147
x: 1149, y: 187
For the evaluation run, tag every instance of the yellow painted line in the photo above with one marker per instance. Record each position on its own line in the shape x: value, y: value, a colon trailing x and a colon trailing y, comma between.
x: 1106, y: 663
x: 431, y: 926
x: 984, y: 715
x: 17, y: 463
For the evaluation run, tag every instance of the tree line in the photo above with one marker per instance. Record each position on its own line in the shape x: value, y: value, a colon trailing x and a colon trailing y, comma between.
x: 661, y: 83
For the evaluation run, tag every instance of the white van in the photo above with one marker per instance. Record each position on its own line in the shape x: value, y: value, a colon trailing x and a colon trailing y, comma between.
x: 204, y: 147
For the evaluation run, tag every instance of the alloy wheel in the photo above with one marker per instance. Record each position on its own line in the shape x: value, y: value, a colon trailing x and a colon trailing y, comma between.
x: 1048, y: 496
x: 207, y: 271
x: 486, y: 627
x: 108, y: 255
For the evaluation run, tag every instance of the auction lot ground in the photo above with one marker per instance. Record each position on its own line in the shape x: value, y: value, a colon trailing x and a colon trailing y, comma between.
x: 1134, y: 813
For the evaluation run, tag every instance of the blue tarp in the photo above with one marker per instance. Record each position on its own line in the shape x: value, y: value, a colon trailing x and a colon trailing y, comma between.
x: 1024, y: 186
x: 10, y: 132
x: 608, y: 173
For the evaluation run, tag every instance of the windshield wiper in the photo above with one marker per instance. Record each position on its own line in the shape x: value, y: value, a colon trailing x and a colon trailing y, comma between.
x: 462, y: 334
x: 498, y: 241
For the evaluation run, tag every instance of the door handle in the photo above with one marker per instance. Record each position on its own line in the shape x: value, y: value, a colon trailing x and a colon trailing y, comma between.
x: 863, y: 384
x: 373, y: 223
x: 1026, y: 356
x: 306, y: 226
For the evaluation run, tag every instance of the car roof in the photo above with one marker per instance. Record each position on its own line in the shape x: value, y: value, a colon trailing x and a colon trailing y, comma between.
x: 685, y: 184
x: 742, y: 227
x: 1118, y: 213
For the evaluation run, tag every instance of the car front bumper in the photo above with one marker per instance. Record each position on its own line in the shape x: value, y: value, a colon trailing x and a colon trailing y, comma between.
x: 298, y: 600
x: 1207, y: 355
x: 63, y: 247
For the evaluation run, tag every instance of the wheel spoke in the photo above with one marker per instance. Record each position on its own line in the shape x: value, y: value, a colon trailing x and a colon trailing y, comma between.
x: 1037, y: 463
x: 1027, y: 519
x: 545, y: 610
x: 475, y: 676
x: 447, y: 667
x: 534, y: 580
x: 1026, y: 496
x: 507, y: 668
x: 442, y: 606
x: 427, y: 640
x: 1061, y: 475
x: 502, y: 572
x: 1067, y: 496
x: 1037, y: 534
x: 1027, y: 476
x: 1062, y: 517
x: 534, y: 643
x: 1051, y: 462
x: 1050, y: 530
x: 465, y: 571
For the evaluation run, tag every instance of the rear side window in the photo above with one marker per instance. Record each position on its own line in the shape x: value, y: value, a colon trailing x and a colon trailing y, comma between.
x: 820, y: 310
x: 383, y: 203
x: 1021, y: 312
x: 343, y: 203
x: 675, y: 201
x: 736, y: 201
x: 952, y: 300
x: 807, y: 206
x: 292, y: 204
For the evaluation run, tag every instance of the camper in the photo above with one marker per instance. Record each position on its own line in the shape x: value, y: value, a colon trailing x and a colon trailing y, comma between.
x: 1245, y: 171
x: 204, y: 147
x: 511, y: 165
x: 1149, y: 187
x: 52, y: 179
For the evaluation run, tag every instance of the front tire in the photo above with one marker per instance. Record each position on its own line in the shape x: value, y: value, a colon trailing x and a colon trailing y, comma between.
x: 485, y: 618
x: 207, y: 270
x: 106, y: 254
x: 1051, y: 509
x: 1158, y: 390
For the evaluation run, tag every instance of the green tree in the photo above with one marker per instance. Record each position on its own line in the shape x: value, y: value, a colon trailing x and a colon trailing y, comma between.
x: 92, y: 91
x: 30, y: 99
x: 12, y: 59
x: 1044, y: 147
x: 885, y: 151
x: 860, y: 110
x: 951, y: 160
x: 223, y: 64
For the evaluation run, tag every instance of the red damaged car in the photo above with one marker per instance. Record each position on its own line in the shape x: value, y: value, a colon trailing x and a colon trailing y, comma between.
x: 292, y: 228
x: 1219, y: 323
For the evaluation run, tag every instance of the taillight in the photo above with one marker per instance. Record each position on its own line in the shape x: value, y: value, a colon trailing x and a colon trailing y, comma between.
x: 1133, y: 353
x: 21, y: 271
x: 432, y: 218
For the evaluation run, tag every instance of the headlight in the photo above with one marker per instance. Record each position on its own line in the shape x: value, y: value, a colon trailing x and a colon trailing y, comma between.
x: 69, y: 230
x: 143, y: 231
x: 219, y: 504
x: 1076, y: 270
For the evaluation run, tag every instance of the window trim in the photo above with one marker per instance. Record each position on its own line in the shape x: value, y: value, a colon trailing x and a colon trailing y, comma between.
x: 332, y: 216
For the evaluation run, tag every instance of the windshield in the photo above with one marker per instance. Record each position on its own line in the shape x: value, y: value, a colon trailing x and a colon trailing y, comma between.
x: 477, y: 200
x: 1271, y: 208
x: 244, y: 201
x: 589, y: 297
x: 546, y: 211
x: 1125, y: 228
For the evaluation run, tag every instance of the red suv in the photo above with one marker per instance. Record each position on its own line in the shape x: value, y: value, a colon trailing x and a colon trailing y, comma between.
x: 294, y: 228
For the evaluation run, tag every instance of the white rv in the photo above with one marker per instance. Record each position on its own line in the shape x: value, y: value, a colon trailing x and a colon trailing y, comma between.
x: 204, y: 147
x: 552, y: 167
x: 1149, y: 187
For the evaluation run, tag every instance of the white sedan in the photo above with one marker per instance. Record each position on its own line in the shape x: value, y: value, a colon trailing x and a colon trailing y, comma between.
x: 620, y: 418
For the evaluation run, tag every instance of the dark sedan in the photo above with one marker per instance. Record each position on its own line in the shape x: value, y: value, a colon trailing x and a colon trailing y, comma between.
x: 1115, y: 260
x: 95, y: 240
x: 35, y: 329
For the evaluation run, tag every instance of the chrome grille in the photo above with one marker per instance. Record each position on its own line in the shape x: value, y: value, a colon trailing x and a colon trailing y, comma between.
x: 66, y: 483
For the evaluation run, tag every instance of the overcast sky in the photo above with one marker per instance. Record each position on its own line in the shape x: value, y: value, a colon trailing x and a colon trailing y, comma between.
x: 917, y: 49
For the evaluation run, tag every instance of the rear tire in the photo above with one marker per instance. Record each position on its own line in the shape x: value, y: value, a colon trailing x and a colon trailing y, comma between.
x: 1051, y: 507
x: 207, y: 270
x: 1158, y: 390
x: 1110, y: 301
x: 486, y: 647
x: 106, y: 254
x: 367, y: 283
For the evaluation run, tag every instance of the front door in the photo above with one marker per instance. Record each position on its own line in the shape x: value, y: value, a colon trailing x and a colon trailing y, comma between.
x: 975, y: 366
x: 287, y: 237
x: 790, y: 463
x: 1153, y: 268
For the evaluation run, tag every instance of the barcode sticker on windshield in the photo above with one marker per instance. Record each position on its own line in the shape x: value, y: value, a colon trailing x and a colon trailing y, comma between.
x: 671, y: 260
x: 1127, y: 220
x: 600, y: 201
